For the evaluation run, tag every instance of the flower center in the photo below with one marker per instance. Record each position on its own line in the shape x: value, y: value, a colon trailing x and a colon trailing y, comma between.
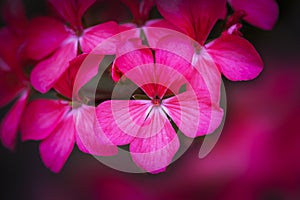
x: 156, y: 101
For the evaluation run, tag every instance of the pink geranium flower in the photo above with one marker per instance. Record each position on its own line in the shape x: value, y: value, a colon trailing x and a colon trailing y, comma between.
x: 262, y: 14
x: 145, y: 124
x: 61, y: 123
x: 229, y: 54
x: 14, y: 84
x: 55, y: 42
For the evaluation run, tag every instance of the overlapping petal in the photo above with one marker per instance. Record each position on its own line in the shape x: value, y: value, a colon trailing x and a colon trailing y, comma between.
x: 81, y: 70
x: 191, y: 60
x: 91, y: 139
x: 48, y: 71
x: 56, y: 148
x: 155, y: 152
x: 156, y: 29
x: 193, y: 113
x: 41, y: 117
x: 98, y: 36
x: 120, y: 120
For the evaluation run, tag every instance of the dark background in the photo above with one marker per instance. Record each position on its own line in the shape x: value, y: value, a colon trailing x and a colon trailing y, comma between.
x: 257, y: 156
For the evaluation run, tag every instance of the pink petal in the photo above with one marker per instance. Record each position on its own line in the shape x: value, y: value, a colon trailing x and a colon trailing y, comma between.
x: 156, y: 29
x: 99, y: 35
x: 40, y: 118
x: 139, y: 9
x: 87, y: 70
x: 155, y: 153
x: 10, y: 124
x: 192, y: 61
x: 262, y: 14
x: 44, y: 35
x: 93, y: 142
x: 120, y: 120
x: 48, y: 71
x: 236, y: 57
x: 155, y: 80
x: 193, y: 113
x: 81, y: 70
x: 176, y: 51
x: 57, y: 147
x: 72, y: 10
x: 196, y: 18
x: 10, y: 86
x: 207, y: 71
x: 132, y: 56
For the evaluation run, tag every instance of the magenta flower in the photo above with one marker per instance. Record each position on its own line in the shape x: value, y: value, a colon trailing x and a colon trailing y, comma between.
x: 61, y: 123
x: 145, y: 124
x: 14, y: 85
x: 55, y: 42
x: 229, y: 54
x: 262, y: 14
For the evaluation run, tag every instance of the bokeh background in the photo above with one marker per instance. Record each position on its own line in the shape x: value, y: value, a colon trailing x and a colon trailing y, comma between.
x: 256, y: 157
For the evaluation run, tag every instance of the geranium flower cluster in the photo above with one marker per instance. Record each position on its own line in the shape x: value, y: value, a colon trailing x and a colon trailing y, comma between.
x: 174, y: 63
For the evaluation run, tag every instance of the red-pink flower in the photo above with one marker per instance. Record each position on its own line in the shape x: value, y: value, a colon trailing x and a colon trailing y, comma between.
x: 145, y: 124
x: 61, y: 123
x: 14, y: 85
x: 55, y: 42
x: 262, y: 14
x: 229, y: 54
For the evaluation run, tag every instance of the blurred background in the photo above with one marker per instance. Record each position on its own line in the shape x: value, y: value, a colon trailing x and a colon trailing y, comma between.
x: 256, y: 157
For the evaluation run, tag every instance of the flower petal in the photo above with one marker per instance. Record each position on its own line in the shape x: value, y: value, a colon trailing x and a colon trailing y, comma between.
x: 40, y: 118
x: 10, y: 124
x: 206, y: 69
x: 81, y: 70
x: 120, y: 120
x: 236, y: 57
x: 193, y: 113
x: 48, y: 71
x: 94, y: 142
x: 195, y: 18
x: 156, y: 29
x: 57, y: 147
x: 262, y: 14
x: 10, y: 86
x: 131, y: 61
x: 99, y: 35
x: 154, y: 79
x: 139, y: 9
x: 72, y: 10
x: 44, y: 35
x: 155, y: 153
x: 192, y: 61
